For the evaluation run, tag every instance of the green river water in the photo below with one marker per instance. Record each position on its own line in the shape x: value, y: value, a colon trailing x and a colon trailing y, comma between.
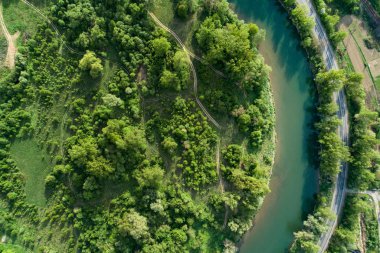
x: 293, y: 182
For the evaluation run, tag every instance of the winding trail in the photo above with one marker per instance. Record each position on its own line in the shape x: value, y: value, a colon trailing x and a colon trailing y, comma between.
x: 189, y: 55
x: 157, y: 21
x: 339, y: 193
x: 12, y: 50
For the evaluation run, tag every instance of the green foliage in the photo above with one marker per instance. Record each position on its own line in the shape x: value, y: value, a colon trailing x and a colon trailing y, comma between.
x: 194, y: 139
x: 185, y: 8
x: 330, y: 19
x: 135, y: 225
x: 160, y: 47
x: 357, y: 212
x: 365, y: 158
x: 170, y: 80
x: 375, y: 4
x: 132, y: 164
x: 228, y: 45
x: 91, y: 63
x: 306, y: 240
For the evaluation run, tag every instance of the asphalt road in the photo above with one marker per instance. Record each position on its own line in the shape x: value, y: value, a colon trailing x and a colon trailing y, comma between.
x: 343, y: 130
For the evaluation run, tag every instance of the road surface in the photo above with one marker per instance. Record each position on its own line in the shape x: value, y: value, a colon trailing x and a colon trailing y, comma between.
x: 189, y: 55
x: 341, y: 180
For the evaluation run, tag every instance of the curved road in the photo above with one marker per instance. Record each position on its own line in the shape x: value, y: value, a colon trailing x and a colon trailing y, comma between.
x: 341, y: 180
x: 188, y: 54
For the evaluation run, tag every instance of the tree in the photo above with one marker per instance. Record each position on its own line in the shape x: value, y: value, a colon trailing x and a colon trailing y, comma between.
x: 99, y: 167
x: 85, y: 150
x: 181, y: 67
x: 134, y: 225
x: 111, y: 100
x: 161, y: 47
x: 169, y: 144
x: 149, y: 176
x: 304, y: 242
x: 170, y: 80
x: 185, y: 8
x: 328, y: 82
x: 302, y: 21
x: 91, y: 63
x: 125, y: 142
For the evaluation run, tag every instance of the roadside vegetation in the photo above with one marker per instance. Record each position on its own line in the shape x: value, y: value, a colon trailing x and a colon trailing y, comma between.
x: 358, y: 228
x: 363, y: 157
x: 106, y: 127
x: 332, y: 150
x: 360, y: 48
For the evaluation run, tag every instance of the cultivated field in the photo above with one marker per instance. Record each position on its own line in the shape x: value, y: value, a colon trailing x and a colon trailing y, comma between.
x: 365, y: 60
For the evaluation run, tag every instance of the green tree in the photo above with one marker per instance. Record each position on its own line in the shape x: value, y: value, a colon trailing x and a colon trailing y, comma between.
x: 161, y: 46
x: 170, y: 80
x: 134, y: 225
x: 149, y: 176
x: 91, y: 63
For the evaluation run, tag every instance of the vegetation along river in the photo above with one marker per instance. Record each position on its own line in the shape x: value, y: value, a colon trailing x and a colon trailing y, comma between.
x: 294, y: 181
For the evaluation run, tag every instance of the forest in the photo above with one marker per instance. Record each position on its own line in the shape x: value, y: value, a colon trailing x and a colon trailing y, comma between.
x: 104, y: 146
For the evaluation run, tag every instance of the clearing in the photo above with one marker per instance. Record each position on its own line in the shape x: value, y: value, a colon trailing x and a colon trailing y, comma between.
x: 34, y: 165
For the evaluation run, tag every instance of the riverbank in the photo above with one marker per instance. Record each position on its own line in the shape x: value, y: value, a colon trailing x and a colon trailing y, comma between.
x: 293, y: 183
x: 332, y: 129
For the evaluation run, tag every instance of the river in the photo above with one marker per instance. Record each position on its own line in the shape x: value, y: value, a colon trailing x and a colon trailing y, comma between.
x: 294, y: 180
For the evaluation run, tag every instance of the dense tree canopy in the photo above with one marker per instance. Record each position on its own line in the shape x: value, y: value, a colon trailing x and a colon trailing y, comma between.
x: 132, y: 161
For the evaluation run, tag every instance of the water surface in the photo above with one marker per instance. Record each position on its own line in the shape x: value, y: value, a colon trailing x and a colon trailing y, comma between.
x: 293, y: 183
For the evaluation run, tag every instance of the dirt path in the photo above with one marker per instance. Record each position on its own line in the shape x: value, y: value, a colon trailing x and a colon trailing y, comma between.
x: 189, y: 55
x: 10, y: 58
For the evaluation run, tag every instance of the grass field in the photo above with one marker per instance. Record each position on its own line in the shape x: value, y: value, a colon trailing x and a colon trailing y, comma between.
x: 34, y: 165
x: 163, y: 9
x: 20, y: 17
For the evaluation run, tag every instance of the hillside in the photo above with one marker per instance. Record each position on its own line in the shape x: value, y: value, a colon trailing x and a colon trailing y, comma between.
x: 119, y: 136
